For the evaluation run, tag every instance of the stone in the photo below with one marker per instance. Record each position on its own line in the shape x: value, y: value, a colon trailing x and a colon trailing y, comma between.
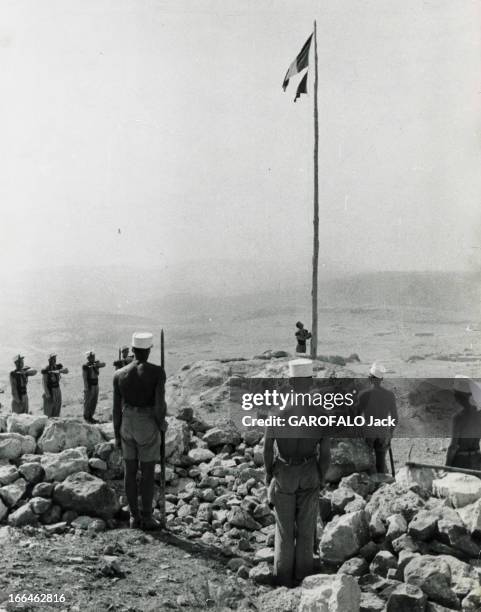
x: 88, y: 523
x: 472, y: 601
x: 56, y: 528
x: 58, y: 466
x: 52, y: 516
x: 11, y: 494
x: 397, y: 526
x: 349, y: 455
x: 433, y: 576
x: 201, y: 455
x: 14, y: 445
x: 8, y: 474
x: 360, y: 483
x: 261, y: 574
x: 43, y: 489
x: 177, y: 438
x: 340, y: 498
x: 370, y: 602
x: 458, y: 537
x: 26, y: 424
x: 368, y: 551
x: 40, y: 505
x: 23, y: 516
x: 423, y: 526
x: 377, y: 528
x: 382, y: 563
x: 204, y: 513
x: 252, y: 436
x: 406, y: 598
x: 103, y: 450
x: 392, y: 499
x: 97, y: 464
x: 329, y: 593
x: 406, y: 542
x: 32, y: 472
x: 343, y: 537
x: 240, y: 518
x: 224, y: 433
x: 65, y: 433
x: 459, y: 489
x: 281, y: 599
x: 69, y: 516
x: 422, y: 477
x: 87, y: 494
x: 264, y: 554
x: 3, y: 510
x: 464, y: 577
x: 357, y: 566
x: 470, y: 515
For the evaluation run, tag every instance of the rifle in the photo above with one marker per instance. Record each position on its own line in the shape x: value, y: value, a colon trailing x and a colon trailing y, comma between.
x: 391, y: 459
x: 162, y: 446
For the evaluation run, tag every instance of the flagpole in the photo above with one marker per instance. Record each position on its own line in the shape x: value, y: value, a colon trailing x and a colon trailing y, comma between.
x: 315, y: 255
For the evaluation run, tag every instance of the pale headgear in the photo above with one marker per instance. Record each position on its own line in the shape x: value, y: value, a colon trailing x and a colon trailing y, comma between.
x: 462, y: 384
x: 377, y: 370
x: 300, y: 368
x: 142, y: 340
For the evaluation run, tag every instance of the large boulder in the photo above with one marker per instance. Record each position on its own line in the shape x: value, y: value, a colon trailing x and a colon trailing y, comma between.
x: 61, y: 433
x: 329, y: 593
x: 433, y: 575
x: 176, y: 438
x: 58, y: 466
x: 406, y: 598
x: 349, y: 456
x: 11, y: 494
x: 459, y: 489
x: 23, y: 516
x: 86, y: 494
x: 8, y: 474
x: 343, y: 537
x: 26, y: 424
x: 14, y: 445
x: 464, y: 577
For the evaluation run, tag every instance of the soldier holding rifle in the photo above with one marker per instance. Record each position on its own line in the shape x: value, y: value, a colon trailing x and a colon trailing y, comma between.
x: 139, y: 418
x: 90, y: 372
x: 124, y: 358
x: 18, y: 382
x: 52, y: 394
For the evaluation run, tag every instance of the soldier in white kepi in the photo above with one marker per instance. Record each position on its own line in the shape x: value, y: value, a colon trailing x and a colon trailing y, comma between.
x: 52, y: 394
x: 464, y: 451
x: 18, y: 383
x: 294, y: 475
x: 139, y: 416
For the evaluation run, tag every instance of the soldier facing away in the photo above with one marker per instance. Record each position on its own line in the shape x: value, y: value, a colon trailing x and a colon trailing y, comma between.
x: 463, y: 450
x: 18, y: 382
x: 139, y: 415
x: 124, y: 358
x: 52, y: 394
x: 302, y: 335
x: 294, y: 476
x: 90, y: 373
x: 378, y: 403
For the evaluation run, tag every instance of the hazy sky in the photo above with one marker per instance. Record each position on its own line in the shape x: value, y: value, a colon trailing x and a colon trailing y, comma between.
x: 166, y: 120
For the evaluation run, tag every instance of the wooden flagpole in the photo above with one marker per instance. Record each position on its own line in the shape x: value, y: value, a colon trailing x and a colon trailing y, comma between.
x: 315, y: 255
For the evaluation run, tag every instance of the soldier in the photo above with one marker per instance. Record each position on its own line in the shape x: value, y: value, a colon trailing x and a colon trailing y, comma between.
x: 18, y: 382
x: 52, y: 395
x: 294, y: 476
x: 139, y: 415
x: 124, y: 358
x: 463, y: 451
x: 90, y: 373
x: 378, y: 403
x: 302, y: 334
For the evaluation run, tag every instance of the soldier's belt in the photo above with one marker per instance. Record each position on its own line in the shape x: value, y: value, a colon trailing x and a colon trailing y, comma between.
x: 296, y: 461
x: 138, y: 408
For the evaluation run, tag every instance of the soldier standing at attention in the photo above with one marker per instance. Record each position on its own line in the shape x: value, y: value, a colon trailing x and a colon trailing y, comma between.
x: 52, y: 394
x: 294, y: 476
x: 18, y: 382
x: 463, y: 451
x: 124, y: 358
x: 139, y: 416
x: 90, y: 372
x: 378, y: 403
x: 302, y: 334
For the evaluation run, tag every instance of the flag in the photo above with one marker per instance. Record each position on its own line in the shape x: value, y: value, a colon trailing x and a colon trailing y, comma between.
x: 298, y: 65
x: 302, y: 87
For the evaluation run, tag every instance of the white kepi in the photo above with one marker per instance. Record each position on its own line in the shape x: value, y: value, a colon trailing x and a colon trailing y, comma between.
x: 300, y: 368
x: 462, y: 384
x: 377, y: 370
x: 142, y: 340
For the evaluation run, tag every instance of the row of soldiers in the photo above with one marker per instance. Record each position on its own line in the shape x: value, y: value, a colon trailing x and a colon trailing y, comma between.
x: 51, y: 375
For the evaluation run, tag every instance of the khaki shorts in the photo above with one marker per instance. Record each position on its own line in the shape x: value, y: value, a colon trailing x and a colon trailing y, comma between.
x: 140, y: 435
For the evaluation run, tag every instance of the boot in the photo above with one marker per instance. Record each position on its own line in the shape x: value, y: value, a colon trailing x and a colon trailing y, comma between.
x: 149, y: 523
x: 135, y: 522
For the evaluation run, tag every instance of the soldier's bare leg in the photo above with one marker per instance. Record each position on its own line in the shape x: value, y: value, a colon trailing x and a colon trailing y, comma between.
x: 147, y: 469
x: 130, y: 483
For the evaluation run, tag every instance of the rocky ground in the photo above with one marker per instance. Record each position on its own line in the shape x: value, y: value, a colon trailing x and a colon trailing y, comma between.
x: 413, y: 543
